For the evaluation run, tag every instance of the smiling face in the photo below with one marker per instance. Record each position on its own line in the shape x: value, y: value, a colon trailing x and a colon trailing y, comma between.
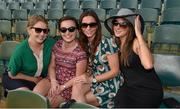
x: 120, y: 27
x: 89, y: 27
x: 38, y: 32
x: 68, y: 30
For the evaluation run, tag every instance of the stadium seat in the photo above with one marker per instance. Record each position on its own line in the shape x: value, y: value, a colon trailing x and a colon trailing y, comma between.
x: 3, y: 5
x: 6, y: 50
x: 20, y: 27
x: 167, y: 68
x: 130, y: 4
x: 171, y: 4
x: 101, y: 13
x: 71, y: 4
x: 156, y: 4
x: 26, y: 99
x: 54, y: 14
x: 41, y: 5
x: 5, y: 14
x: 74, y: 13
x: 20, y: 14
x: 166, y: 39
x: 27, y: 5
x: 36, y: 12
x: 89, y: 4
x: 14, y: 5
x: 53, y: 28
x: 56, y: 4
x: 107, y: 5
x: 171, y: 16
x: 5, y: 29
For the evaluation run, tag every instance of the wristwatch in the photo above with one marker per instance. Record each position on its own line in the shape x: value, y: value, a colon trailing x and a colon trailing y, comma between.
x: 94, y: 80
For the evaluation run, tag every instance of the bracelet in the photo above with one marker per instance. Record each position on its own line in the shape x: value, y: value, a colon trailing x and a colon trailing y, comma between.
x: 64, y: 86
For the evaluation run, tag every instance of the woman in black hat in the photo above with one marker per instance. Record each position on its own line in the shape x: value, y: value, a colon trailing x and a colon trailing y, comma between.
x: 142, y: 87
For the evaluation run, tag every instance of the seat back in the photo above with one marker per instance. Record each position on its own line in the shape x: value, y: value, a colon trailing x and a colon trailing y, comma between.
x: 130, y: 4
x: 25, y: 99
x: 168, y: 69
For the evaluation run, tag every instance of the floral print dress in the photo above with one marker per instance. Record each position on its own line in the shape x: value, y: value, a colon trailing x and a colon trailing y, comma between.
x: 105, y: 91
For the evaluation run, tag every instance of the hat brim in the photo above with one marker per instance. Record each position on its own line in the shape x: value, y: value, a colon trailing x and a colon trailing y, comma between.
x: 108, y: 22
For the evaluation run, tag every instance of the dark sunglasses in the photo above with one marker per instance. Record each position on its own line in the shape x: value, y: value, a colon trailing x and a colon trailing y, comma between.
x: 70, y: 29
x: 121, y: 24
x: 39, y: 30
x: 91, y: 25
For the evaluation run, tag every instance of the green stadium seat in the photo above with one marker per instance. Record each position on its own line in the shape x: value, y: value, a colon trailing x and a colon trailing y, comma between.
x: 167, y: 68
x: 156, y: 4
x: 166, y: 39
x: 27, y: 5
x: 101, y: 13
x: 5, y: 14
x: 20, y: 14
x: 56, y: 5
x: 171, y: 16
x: 74, y: 13
x: 36, y: 12
x: 14, y: 5
x: 54, y: 14
x: 3, y: 5
x: 89, y: 4
x: 130, y: 4
x: 26, y: 99
x: 107, y: 5
x: 171, y: 4
x: 71, y: 4
x: 41, y: 5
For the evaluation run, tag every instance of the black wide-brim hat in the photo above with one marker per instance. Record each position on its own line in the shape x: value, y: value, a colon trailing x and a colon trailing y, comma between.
x: 123, y: 13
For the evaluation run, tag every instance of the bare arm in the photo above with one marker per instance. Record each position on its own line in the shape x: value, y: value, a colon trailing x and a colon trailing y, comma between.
x: 113, y: 61
x: 80, y: 69
x: 141, y: 47
x: 25, y: 77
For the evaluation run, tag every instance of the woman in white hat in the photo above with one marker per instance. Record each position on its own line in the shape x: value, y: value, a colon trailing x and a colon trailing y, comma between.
x: 142, y: 87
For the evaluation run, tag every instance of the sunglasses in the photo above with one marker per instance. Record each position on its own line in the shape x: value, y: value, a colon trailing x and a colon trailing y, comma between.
x: 39, y: 30
x: 121, y: 24
x: 70, y: 29
x: 91, y: 25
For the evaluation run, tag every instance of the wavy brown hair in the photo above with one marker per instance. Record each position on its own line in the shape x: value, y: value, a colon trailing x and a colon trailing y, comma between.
x: 97, y: 38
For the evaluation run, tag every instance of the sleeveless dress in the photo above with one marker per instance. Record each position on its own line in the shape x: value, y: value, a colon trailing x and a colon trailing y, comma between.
x: 66, y: 65
x: 141, y: 88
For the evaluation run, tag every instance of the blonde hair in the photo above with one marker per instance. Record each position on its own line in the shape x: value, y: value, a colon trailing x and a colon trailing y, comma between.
x: 32, y: 20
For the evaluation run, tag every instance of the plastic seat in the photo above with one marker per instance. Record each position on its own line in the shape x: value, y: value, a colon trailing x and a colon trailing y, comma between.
x: 156, y: 4
x: 41, y: 5
x: 105, y: 32
x: 167, y: 68
x: 54, y: 14
x: 88, y: 4
x: 20, y: 27
x: 171, y: 16
x: 166, y: 39
x: 107, y: 5
x: 14, y: 5
x: 130, y: 4
x: 101, y: 14
x: 5, y: 14
x: 3, y: 5
x: 27, y: 5
x: 6, y: 50
x: 71, y: 4
x: 53, y: 28
x: 5, y: 27
x: 36, y: 12
x: 25, y: 99
x: 74, y: 13
x: 56, y: 5
x: 20, y: 14
x: 171, y: 4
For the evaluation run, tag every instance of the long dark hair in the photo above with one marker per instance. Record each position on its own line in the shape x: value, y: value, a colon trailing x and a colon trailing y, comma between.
x: 127, y: 48
x: 97, y: 38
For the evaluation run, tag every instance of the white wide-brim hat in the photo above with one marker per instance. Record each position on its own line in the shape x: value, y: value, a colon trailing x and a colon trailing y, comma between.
x: 122, y: 13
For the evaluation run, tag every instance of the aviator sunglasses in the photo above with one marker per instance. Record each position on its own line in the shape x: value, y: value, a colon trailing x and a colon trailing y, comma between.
x: 121, y: 24
x: 91, y: 25
x: 70, y: 29
x: 39, y: 30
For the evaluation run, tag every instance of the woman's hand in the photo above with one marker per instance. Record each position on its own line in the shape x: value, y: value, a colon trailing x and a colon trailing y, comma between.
x: 83, y: 79
x: 55, y: 88
x: 138, y: 26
